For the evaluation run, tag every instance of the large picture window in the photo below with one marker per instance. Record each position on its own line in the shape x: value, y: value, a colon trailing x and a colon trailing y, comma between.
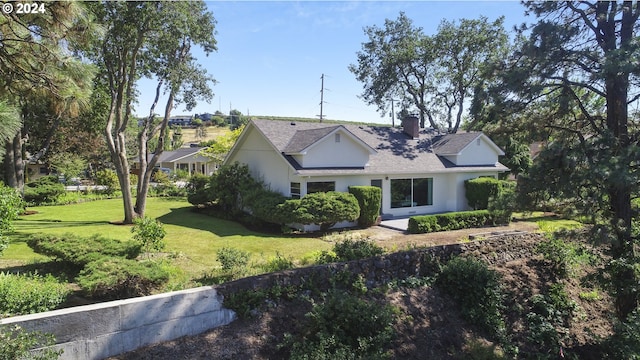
x: 320, y: 186
x: 411, y: 192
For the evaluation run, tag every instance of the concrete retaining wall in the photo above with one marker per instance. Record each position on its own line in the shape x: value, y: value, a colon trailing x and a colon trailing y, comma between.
x: 101, y: 330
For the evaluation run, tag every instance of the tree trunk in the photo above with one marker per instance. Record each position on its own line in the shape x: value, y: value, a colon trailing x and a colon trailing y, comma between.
x: 14, y: 163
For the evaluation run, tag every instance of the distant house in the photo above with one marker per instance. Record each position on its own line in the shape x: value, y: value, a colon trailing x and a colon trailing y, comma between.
x: 419, y: 171
x: 188, y: 159
x: 181, y: 120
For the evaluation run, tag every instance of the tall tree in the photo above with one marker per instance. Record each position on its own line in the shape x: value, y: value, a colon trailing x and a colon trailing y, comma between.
x: 578, y: 64
x: 151, y: 39
x: 36, y: 61
x: 434, y: 75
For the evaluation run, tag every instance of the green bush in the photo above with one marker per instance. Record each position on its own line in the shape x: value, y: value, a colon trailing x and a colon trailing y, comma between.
x: 113, y: 278
x: 198, y: 190
x: 322, y: 208
x: 30, y: 294
x: 149, y: 233
x: 11, y: 205
x: 369, y: 199
x: 477, y: 290
x: 481, y: 191
x: 278, y: 263
x: 228, y: 184
x: 15, y: 343
x: 45, y: 190
x: 78, y: 251
x: 345, y: 326
x: 348, y: 250
x: 456, y: 221
x: 625, y: 342
x: 263, y: 204
x: 109, y: 179
x: 232, y: 259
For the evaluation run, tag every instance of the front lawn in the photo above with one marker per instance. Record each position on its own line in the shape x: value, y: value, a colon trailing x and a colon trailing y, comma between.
x: 192, y: 239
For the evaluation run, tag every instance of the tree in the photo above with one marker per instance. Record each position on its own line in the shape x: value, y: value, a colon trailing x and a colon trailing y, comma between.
x: 433, y: 74
x: 579, y: 64
x: 151, y: 39
x: 69, y: 164
x: 36, y: 67
x: 222, y: 145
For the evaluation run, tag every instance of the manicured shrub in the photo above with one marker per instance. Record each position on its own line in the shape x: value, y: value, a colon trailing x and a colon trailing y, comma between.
x: 30, y: 294
x: 476, y: 288
x: 481, y: 191
x: 457, y: 220
x: 322, y: 208
x: 45, y: 190
x: 113, y: 278
x: 78, y: 251
x: 369, y: 198
x: 198, y: 190
x: 263, y: 204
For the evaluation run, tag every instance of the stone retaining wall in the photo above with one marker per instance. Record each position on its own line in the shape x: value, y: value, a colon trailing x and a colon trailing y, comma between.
x: 379, y: 270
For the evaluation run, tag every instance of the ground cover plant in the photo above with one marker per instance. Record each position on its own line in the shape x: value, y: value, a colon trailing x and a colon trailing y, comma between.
x: 192, y: 239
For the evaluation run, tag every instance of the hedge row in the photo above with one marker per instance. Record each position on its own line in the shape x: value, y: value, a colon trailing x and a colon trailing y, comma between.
x: 457, y: 220
x: 369, y: 198
x: 480, y: 191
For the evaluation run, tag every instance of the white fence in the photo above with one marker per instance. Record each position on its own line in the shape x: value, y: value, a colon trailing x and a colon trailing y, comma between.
x: 101, y: 330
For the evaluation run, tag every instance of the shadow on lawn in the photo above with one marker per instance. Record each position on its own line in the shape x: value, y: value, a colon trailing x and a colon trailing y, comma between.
x: 187, y: 217
x: 49, y: 224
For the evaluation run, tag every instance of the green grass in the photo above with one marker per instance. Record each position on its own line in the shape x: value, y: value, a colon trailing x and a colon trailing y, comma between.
x: 193, y: 238
x: 552, y: 225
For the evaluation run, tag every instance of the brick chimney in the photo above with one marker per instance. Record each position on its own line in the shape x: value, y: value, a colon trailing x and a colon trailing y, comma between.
x: 411, y: 126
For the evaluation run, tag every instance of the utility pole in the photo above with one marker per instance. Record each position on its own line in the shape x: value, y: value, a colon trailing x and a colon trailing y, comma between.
x: 321, y: 96
x: 393, y: 114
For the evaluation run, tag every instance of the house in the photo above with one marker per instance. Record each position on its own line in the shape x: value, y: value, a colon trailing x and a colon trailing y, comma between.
x: 188, y: 159
x: 419, y: 171
x: 180, y: 120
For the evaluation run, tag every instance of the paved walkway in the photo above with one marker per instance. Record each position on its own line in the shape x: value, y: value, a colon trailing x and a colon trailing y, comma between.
x: 397, y: 224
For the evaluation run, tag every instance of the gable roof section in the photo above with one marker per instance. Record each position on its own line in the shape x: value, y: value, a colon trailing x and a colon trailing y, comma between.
x: 454, y: 144
x: 304, y: 140
x: 394, y: 152
x: 178, y: 154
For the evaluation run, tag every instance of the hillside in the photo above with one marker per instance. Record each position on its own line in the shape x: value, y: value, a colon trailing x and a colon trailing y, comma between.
x: 430, y: 323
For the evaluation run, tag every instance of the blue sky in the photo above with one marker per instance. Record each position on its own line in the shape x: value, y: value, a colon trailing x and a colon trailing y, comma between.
x: 271, y: 54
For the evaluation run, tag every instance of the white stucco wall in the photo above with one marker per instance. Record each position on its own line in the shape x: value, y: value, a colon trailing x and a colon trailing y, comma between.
x: 263, y: 161
x: 328, y: 153
x: 477, y: 153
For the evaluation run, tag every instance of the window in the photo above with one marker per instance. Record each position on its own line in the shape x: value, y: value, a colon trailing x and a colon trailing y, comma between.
x: 411, y: 192
x: 337, y: 137
x: 320, y: 186
x: 295, y: 190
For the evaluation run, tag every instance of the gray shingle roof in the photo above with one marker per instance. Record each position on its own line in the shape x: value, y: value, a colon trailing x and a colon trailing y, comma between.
x: 302, y: 139
x: 396, y: 153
